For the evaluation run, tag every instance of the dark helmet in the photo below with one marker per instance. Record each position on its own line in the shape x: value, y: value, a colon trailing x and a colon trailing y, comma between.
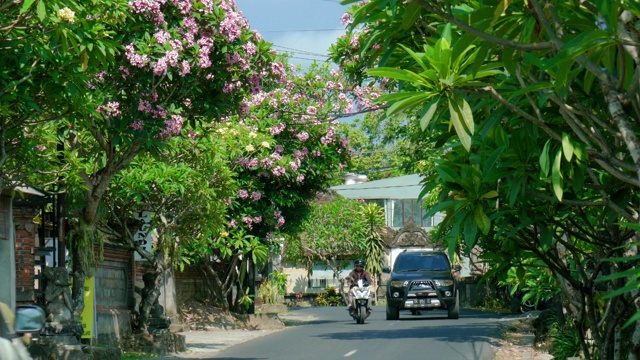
x: 359, y: 263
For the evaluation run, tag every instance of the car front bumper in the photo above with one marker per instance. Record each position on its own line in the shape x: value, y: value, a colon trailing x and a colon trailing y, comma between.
x: 432, y: 299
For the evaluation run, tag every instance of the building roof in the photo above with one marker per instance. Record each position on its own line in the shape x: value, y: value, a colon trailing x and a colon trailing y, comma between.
x: 401, y: 187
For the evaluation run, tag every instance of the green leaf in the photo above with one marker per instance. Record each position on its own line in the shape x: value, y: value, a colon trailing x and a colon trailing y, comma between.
x: 470, y: 230
x: 579, y: 151
x: 544, y: 160
x: 415, y: 57
x: 42, y: 12
x: 520, y: 273
x: 546, y: 238
x: 431, y: 110
x: 464, y: 137
x: 482, y: 220
x: 396, y: 74
x: 407, y: 103
x: 500, y: 9
x: 556, y: 176
x: 543, y: 85
x: 632, y: 320
x: 490, y: 195
x: 619, y: 275
x: 567, y: 147
x: 467, y: 115
x: 411, y: 14
x: 26, y: 5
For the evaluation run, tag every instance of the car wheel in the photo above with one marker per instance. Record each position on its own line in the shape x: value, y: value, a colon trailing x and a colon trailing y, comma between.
x: 453, y: 311
x: 393, y: 313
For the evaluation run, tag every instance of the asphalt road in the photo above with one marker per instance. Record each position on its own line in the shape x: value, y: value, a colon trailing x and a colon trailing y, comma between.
x: 333, y: 335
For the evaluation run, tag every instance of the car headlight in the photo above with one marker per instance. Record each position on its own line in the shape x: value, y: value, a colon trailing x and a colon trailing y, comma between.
x: 443, y: 282
x: 399, y: 283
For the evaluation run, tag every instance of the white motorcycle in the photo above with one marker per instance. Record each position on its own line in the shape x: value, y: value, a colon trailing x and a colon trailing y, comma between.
x: 360, y: 305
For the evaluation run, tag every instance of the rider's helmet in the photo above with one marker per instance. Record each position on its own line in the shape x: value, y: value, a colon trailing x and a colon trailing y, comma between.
x: 359, y: 263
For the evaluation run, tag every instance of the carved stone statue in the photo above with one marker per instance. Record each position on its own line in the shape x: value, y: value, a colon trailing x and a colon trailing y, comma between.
x: 152, y: 318
x: 58, y: 304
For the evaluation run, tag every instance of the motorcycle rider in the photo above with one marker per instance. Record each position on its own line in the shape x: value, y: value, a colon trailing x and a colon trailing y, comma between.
x: 358, y: 273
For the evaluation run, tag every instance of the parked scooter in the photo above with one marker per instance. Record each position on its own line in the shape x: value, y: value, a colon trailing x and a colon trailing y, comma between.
x: 360, y: 304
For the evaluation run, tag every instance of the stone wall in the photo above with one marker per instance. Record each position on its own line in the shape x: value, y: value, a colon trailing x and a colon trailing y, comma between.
x: 190, y: 283
x: 114, y: 294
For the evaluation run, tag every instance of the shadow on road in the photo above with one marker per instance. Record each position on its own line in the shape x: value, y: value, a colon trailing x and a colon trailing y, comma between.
x: 461, y: 333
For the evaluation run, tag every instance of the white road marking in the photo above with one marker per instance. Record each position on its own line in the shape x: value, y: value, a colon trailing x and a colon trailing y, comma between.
x: 350, y: 353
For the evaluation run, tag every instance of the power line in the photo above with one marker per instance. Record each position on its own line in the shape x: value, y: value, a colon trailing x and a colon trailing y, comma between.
x: 300, y: 30
x: 301, y: 51
x: 303, y: 58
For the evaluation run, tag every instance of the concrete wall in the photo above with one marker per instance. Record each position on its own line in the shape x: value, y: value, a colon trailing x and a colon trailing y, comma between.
x: 168, y: 298
x: 298, y: 281
x: 7, y: 254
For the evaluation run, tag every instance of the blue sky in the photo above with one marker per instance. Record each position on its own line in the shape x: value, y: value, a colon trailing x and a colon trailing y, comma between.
x: 307, y: 26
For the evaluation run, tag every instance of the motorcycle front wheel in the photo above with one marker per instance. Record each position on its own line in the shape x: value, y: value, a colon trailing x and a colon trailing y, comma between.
x: 362, y: 314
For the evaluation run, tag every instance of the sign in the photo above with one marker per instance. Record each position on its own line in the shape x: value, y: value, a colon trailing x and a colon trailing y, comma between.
x: 87, y: 318
x: 144, y: 236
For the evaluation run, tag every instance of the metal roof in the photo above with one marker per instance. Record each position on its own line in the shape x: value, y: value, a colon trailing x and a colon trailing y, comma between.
x: 401, y: 187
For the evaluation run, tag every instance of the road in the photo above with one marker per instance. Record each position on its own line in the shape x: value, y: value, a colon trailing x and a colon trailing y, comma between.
x: 333, y: 335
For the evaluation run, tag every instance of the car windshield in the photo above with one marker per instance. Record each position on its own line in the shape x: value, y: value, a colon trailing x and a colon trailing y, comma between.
x: 421, y: 262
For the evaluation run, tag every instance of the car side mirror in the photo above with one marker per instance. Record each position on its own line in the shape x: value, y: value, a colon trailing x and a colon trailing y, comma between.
x: 29, y: 319
x: 386, y: 269
x: 457, y: 267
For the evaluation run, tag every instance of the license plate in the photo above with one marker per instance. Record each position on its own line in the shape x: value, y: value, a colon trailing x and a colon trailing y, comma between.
x: 422, y: 301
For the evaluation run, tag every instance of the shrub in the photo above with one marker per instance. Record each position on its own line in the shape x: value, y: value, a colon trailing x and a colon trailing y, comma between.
x: 329, y: 298
x: 273, y: 289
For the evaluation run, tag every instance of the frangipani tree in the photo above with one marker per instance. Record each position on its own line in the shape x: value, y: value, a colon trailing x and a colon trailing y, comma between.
x: 284, y: 150
x: 47, y: 54
x: 181, y: 63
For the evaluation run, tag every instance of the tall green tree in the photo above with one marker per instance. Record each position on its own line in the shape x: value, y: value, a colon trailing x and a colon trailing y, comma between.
x: 47, y: 51
x: 334, y: 234
x: 530, y: 104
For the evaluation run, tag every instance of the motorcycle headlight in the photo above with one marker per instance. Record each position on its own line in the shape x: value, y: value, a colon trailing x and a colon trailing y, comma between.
x: 443, y: 282
x: 399, y: 283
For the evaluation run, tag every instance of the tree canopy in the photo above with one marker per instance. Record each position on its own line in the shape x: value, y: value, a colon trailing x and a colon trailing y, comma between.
x: 533, y: 108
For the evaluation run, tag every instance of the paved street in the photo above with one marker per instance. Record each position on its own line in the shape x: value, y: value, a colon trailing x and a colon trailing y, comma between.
x: 329, y: 333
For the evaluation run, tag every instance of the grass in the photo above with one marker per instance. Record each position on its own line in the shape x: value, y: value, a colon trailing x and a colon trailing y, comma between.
x: 137, y: 356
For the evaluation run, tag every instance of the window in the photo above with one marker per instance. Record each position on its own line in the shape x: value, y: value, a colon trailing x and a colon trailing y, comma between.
x: 317, y: 283
x: 411, y: 262
x: 322, y: 283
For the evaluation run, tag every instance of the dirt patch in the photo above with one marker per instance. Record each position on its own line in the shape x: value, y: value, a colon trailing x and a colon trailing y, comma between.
x: 518, y: 340
x: 203, y: 316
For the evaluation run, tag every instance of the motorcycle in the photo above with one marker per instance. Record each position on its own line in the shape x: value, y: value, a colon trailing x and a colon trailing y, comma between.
x: 360, y: 305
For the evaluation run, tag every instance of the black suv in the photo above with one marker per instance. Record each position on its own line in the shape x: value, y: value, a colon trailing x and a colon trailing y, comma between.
x: 422, y: 280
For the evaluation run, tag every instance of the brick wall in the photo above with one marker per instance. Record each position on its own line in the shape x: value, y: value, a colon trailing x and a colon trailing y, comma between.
x: 26, y: 233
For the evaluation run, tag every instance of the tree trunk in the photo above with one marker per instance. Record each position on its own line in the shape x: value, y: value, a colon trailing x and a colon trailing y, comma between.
x: 219, y: 287
x: 79, y: 276
x: 150, y: 295
x: 96, y: 186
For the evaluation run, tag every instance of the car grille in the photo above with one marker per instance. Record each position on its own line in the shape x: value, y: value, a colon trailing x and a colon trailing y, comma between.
x: 422, y: 285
